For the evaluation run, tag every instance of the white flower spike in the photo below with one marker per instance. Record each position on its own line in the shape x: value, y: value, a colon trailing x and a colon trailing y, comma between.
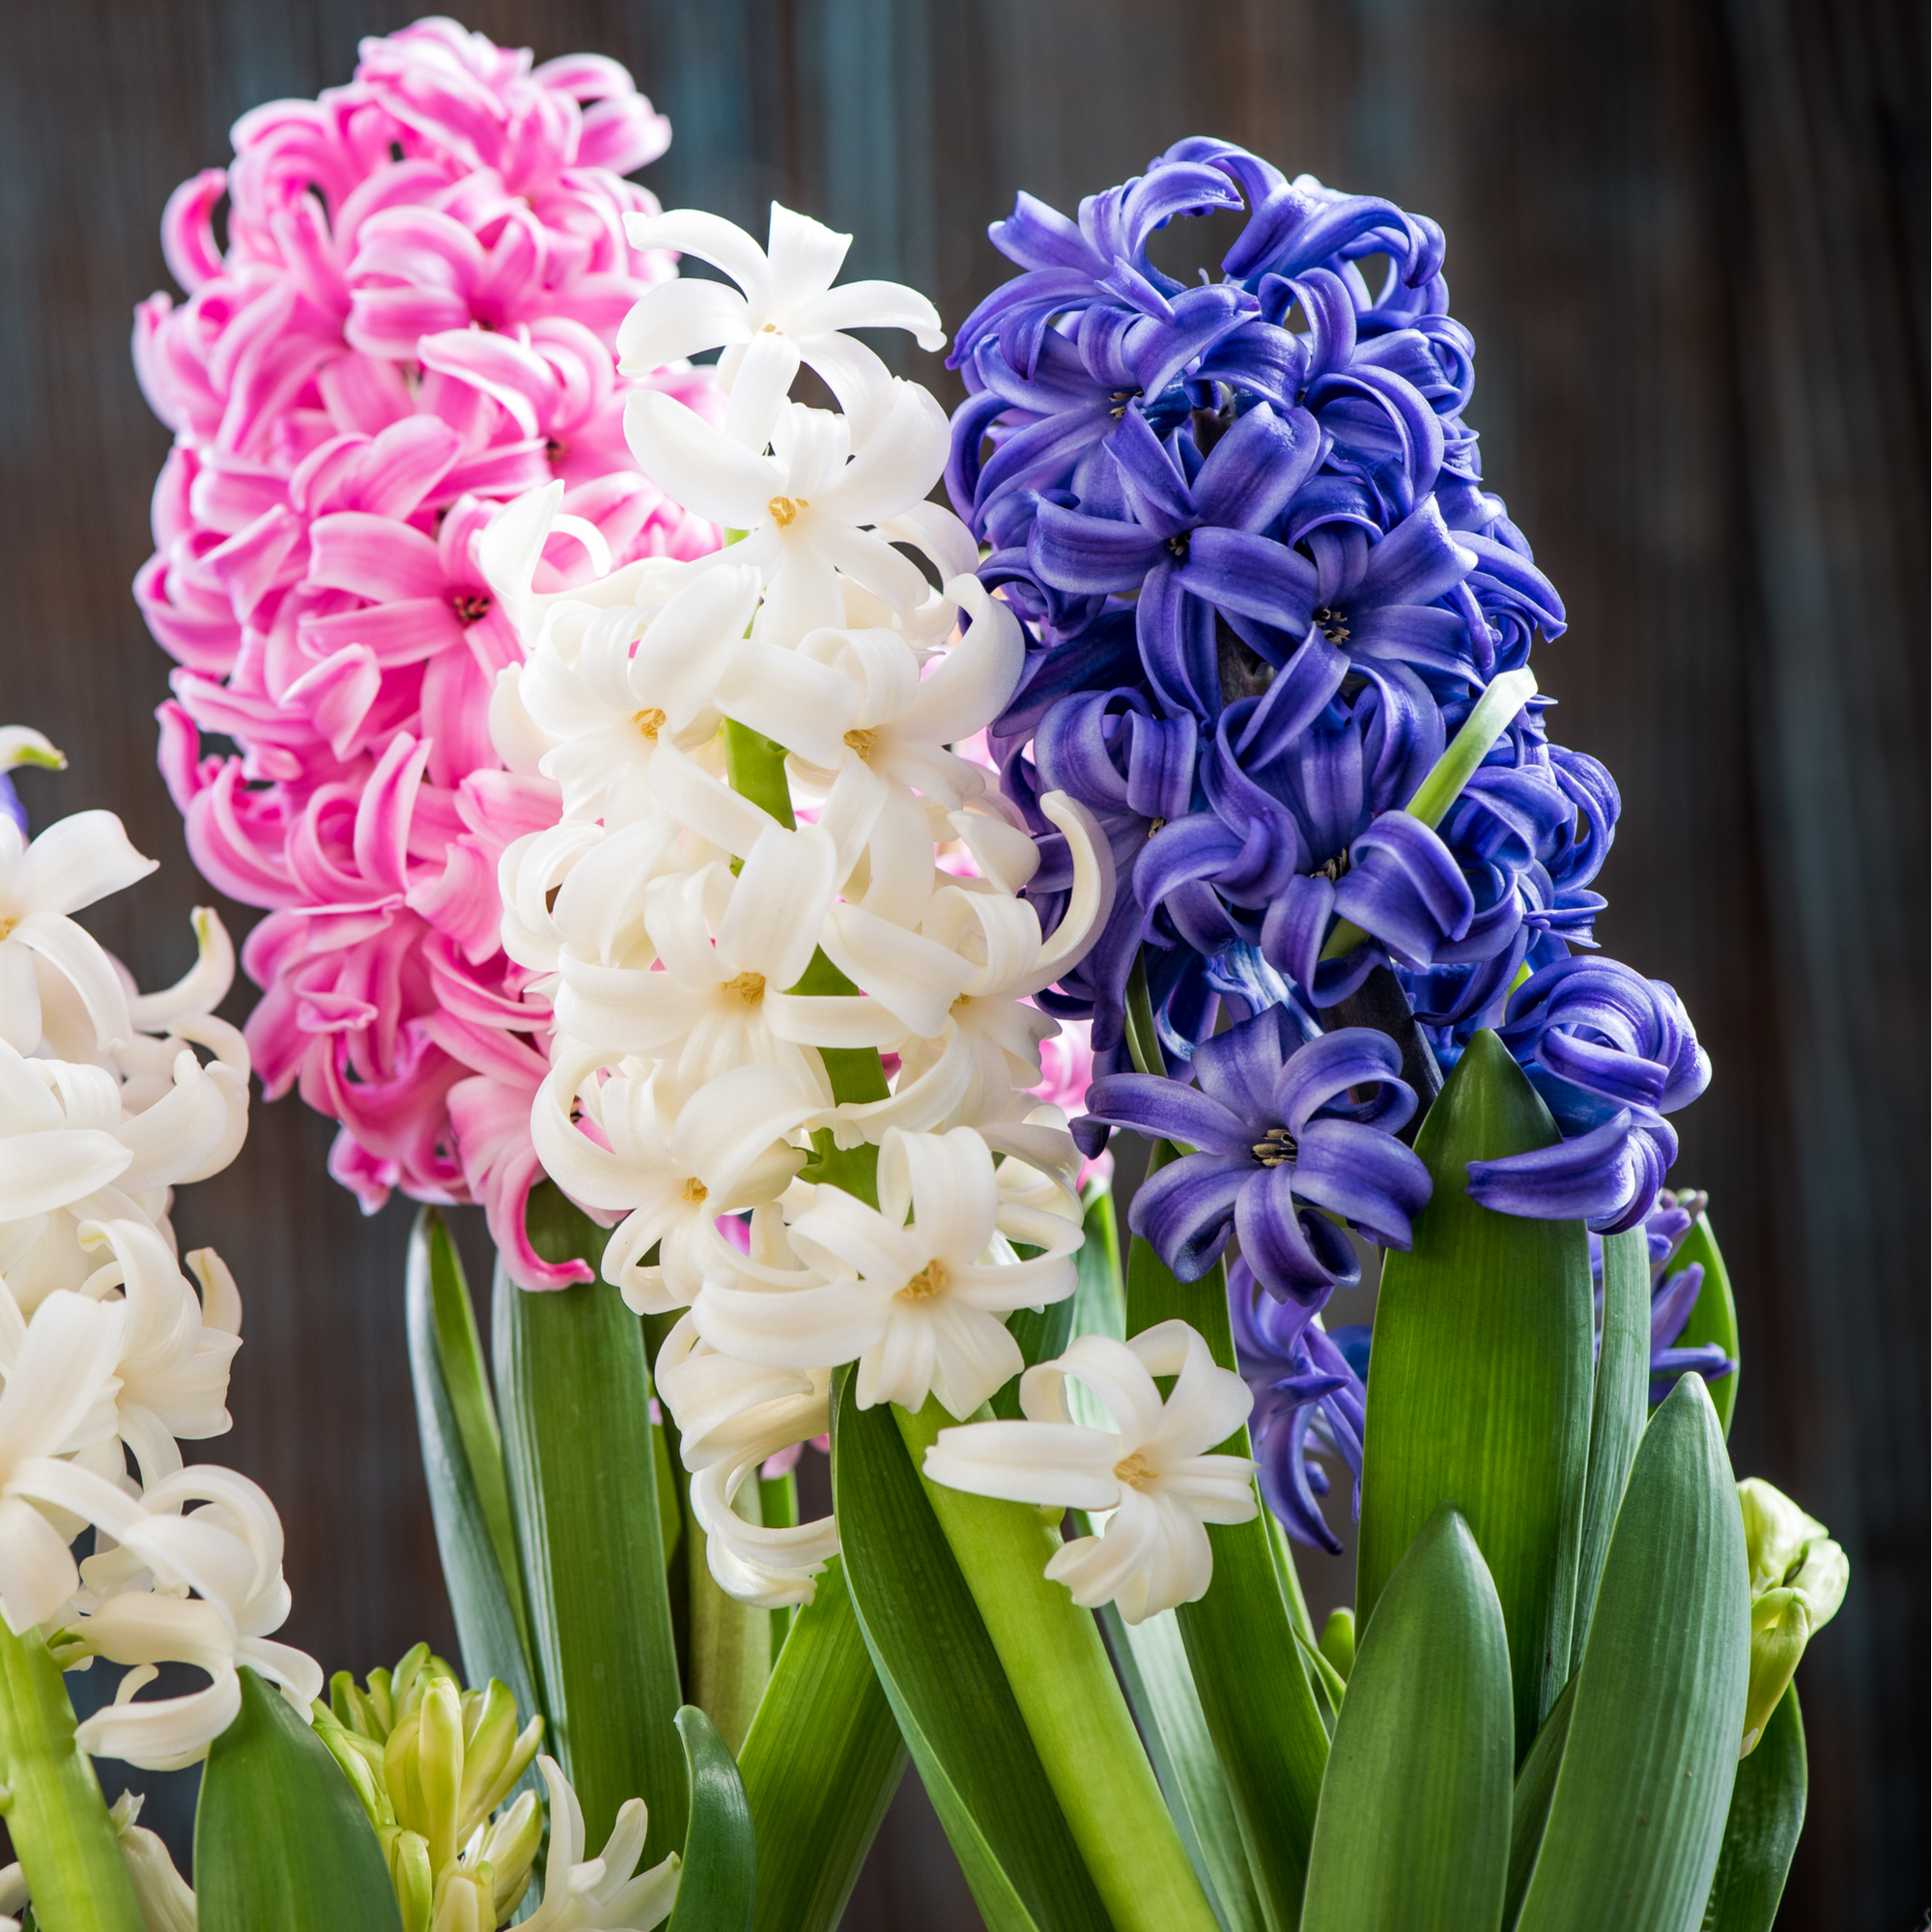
x: 1154, y: 1471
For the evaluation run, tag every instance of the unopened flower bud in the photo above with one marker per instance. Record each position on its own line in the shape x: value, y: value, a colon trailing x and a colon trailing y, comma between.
x: 409, y: 1873
x: 1797, y: 1580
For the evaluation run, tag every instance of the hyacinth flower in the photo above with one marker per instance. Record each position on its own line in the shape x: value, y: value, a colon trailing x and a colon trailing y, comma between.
x: 1286, y: 1125
x: 1611, y: 1053
x: 414, y: 319
x: 1308, y: 1387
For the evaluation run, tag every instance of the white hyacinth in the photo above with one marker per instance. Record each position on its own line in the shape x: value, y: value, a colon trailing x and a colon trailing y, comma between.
x: 109, y: 1352
x: 706, y: 948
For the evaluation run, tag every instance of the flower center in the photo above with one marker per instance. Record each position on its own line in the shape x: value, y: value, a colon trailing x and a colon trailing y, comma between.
x: 1332, y: 869
x: 695, y: 1190
x: 1156, y: 825
x: 862, y: 741
x: 555, y: 451
x: 770, y: 329
x: 1275, y: 1148
x: 7, y: 925
x: 783, y: 509
x: 1333, y: 625
x: 1136, y: 1471
x: 473, y: 606
x: 929, y: 1280
x: 1178, y: 544
x: 649, y: 722
x: 749, y: 988
x: 1121, y: 398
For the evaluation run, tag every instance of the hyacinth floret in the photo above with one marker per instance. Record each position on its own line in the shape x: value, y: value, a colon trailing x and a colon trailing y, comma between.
x: 1265, y: 589
x: 413, y: 319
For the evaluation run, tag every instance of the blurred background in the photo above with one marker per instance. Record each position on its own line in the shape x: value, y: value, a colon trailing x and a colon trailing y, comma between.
x: 1691, y: 237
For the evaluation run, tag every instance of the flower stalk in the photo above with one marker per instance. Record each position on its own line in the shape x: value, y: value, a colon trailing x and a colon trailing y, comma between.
x: 1080, y: 1726
x: 69, y: 1850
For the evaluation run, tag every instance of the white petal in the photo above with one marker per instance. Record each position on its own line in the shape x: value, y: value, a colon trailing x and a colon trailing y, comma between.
x: 202, y: 989
x: 677, y: 319
x: 778, y: 904
x: 916, y: 979
x: 1042, y: 1462
x: 695, y: 465
x: 758, y: 385
x: 801, y: 1329
x: 1091, y: 897
x: 693, y: 231
x: 45, y: 1171
x: 77, y: 861
x: 78, y: 956
x: 872, y: 305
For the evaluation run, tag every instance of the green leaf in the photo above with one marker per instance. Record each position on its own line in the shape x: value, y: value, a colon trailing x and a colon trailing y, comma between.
x: 1152, y: 1659
x: 463, y: 1462
x: 1480, y: 1389
x: 574, y: 1398
x: 716, y: 1888
x: 820, y: 1765
x: 1255, y: 1693
x: 1530, y: 1806
x: 954, y: 1707
x: 279, y: 1836
x: 1761, y: 1832
x: 1422, y: 1754
x: 62, y: 1834
x: 1617, y: 1411
x: 1637, y: 1815
x: 730, y: 1643
x: 1715, y: 1318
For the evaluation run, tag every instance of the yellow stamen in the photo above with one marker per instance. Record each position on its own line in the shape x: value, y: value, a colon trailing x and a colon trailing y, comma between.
x: 862, y: 741
x: 783, y: 509
x: 649, y: 722
x: 749, y: 988
x: 1135, y: 1471
x: 695, y: 1190
x: 929, y: 1280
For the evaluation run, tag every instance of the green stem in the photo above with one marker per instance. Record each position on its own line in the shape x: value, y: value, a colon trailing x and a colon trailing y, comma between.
x: 69, y: 1851
x: 1506, y: 696
x: 730, y: 1643
x: 1053, y: 1658
x: 1143, y: 1035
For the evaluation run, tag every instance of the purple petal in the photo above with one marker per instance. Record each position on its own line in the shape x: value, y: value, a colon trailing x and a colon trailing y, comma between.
x: 1167, y: 1110
x: 1249, y: 575
x: 1269, y: 1223
x: 1090, y: 553
x: 1348, y: 1056
x: 1239, y: 1068
x: 1415, y: 563
x: 1671, y: 1305
x: 1252, y: 473
x: 1186, y: 1212
x: 1158, y: 491
x: 1363, y: 1175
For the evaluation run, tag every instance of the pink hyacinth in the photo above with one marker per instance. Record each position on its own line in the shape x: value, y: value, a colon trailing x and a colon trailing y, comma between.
x: 413, y: 320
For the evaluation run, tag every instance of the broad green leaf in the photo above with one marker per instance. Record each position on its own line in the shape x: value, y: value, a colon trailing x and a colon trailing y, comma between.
x: 1639, y: 1811
x: 280, y: 1837
x: 1255, y: 1692
x: 1715, y: 1318
x: 1530, y: 1806
x: 463, y: 1461
x: 821, y: 1764
x: 1152, y: 1662
x: 1761, y: 1832
x: 62, y: 1834
x: 719, y: 1882
x: 1414, y: 1827
x: 1617, y: 1411
x: 575, y: 1399
x: 1480, y: 1393
x: 954, y: 1707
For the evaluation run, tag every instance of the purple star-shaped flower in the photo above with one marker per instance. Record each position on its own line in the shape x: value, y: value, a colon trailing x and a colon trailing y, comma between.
x: 1284, y: 1125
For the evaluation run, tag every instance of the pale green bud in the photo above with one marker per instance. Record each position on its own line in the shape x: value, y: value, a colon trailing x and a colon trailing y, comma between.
x: 495, y: 1753
x: 1338, y: 1641
x: 411, y: 1874
x: 440, y: 1770
x: 468, y: 1902
x: 1797, y: 1580
x: 509, y: 1847
x: 361, y: 1761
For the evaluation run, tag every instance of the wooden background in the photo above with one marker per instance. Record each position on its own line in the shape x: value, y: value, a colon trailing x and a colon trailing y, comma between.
x: 1691, y: 237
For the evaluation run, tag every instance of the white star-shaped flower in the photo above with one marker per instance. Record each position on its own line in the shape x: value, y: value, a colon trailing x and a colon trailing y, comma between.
x: 784, y: 311
x: 1154, y: 1471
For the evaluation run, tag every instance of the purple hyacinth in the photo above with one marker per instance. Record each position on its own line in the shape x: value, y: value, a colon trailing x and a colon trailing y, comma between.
x: 1308, y: 1388
x: 1264, y: 586
x: 1285, y: 1126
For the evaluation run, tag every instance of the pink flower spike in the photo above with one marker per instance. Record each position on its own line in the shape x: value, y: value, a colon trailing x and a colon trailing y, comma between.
x: 387, y: 352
